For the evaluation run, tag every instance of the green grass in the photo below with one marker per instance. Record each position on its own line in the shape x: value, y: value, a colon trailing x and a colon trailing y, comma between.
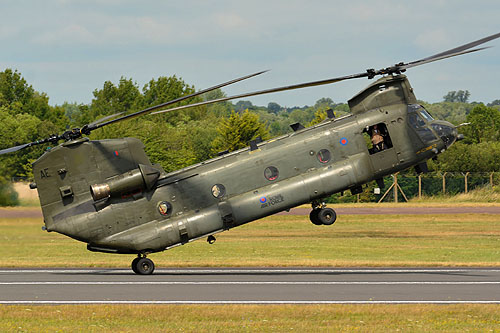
x: 354, y: 240
x: 250, y: 318
x: 484, y: 194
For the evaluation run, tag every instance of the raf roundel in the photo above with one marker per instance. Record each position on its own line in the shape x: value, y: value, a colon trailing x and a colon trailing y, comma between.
x: 263, y: 200
x: 343, y: 141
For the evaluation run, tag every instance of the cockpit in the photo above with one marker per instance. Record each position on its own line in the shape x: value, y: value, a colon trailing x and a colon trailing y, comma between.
x: 429, y: 129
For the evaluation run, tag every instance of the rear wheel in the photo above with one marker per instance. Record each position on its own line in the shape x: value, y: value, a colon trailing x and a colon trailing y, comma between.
x: 134, y: 265
x: 327, y: 216
x: 313, y: 216
x: 143, y: 266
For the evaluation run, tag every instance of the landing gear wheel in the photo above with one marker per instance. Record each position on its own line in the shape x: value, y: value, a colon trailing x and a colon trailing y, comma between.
x: 134, y: 265
x: 143, y: 266
x: 327, y: 216
x: 313, y: 216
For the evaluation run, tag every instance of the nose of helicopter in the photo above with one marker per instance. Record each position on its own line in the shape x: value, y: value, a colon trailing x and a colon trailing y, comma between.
x: 446, y: 131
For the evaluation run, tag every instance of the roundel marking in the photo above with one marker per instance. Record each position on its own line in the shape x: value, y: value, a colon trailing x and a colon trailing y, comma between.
x: 263, y: 199
x: 343, y: 141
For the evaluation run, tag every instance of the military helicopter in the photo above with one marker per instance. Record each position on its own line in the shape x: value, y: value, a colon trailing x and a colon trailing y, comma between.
x: 108, y: 194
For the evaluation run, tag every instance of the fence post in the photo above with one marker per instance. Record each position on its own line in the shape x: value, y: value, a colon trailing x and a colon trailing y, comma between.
x: 466, y: 184
x: 444, y: 183
x: 395, y: 187
x: 491, y: 179
x: 420, y: 186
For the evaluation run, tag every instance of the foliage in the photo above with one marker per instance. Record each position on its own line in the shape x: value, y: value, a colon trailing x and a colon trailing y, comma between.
x: 454, y: 112
x: 274, y: 107
x: 462, y: 157
x: 484, y: 124
x: 457, y: 96
x: 178, y: 139
x: 8, y: 197
x: 236, y: 131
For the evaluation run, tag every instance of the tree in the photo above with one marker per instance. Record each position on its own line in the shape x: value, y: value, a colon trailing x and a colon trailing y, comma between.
x: 20, y: 129
x: 235, y: 132
x: 462, y: 157
x: 274, y: 107
x: 324, y: 103
x: 484, y: 124
x: 113, y: 99
x: 243, y: 105
x: 18, y: 97
x: 494, y: 103
x: 457, y: 96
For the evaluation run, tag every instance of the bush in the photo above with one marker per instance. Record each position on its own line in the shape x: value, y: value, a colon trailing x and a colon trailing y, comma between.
x: 8, y: 197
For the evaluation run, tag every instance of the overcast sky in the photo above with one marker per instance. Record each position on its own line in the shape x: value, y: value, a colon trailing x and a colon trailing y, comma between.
x: 68, y: 48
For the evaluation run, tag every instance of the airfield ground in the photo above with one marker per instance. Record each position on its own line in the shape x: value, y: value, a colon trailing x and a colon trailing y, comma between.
x: 250, y: 318
x: 466, y: 239
x: 444, y: 240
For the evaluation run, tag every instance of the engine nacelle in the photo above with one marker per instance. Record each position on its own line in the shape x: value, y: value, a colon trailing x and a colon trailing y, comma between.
x: 144, y: 177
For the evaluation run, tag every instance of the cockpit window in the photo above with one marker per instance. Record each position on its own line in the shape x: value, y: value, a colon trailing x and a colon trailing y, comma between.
x: 415, y: 120
x: 416, y: 116
x: 425, y: 114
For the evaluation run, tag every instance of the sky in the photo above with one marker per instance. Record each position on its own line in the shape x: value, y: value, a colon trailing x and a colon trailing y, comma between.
x: 69, y: 48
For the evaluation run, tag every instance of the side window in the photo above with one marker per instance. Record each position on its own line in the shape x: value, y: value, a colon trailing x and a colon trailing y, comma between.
x: 377, y: 138
x: 218, y: 190
x: 271, y: 173
x: 324, y: 156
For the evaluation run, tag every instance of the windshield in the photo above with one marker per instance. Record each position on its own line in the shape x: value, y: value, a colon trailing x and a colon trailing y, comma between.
x: 423, y: 112
x: 416, y: 116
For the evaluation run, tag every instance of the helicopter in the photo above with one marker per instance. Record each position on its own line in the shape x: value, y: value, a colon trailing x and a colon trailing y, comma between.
x: 108, y: 194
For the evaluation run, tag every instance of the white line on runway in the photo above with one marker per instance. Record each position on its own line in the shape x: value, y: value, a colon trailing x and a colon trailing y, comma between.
x: 250, y: 271
x: 92, y: 283
x: 252, y: 302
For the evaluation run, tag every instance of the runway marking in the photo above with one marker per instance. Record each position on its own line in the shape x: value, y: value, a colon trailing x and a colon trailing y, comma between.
x: 92, y: 283
x: 252, y: 302
x: 250, y: 271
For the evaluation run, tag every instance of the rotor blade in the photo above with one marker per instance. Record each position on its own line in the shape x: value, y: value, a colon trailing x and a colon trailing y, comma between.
x: 461, y: 48
x: 269, y: 91
x: 16, y: 148
x: 105, y: 118
x: 426, y: 61
x: 88, y: 128
x: 370, y: 73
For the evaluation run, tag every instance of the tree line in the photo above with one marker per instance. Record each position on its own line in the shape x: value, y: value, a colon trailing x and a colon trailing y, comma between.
x: 181, y: 138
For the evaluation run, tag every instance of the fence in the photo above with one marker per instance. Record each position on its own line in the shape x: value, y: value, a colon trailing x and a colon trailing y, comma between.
x: 435, y: 183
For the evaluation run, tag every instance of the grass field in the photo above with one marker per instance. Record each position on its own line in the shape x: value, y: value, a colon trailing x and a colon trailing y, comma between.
x: 251, y: 318
x: 354, y: 240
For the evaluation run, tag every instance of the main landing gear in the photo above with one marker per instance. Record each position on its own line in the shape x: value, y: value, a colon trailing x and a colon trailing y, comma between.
x: 142, y: 265
x: 321, y: 215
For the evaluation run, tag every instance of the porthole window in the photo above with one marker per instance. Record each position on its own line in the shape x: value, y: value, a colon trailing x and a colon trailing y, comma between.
x: 271, y: 173
x: 165, y: 208
x: 218, y: 190
x: 324, y: 156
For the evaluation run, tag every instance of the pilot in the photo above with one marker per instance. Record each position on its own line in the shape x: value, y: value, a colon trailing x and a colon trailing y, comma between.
x: 377, y: 139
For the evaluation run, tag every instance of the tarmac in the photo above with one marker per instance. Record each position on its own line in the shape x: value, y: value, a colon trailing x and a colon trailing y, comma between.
x: 252, y: 286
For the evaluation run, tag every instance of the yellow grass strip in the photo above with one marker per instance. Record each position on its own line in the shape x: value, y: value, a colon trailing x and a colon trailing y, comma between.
x: 246, y: 318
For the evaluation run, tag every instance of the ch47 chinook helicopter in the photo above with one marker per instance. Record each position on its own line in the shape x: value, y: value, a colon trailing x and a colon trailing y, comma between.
x: 109, y: 195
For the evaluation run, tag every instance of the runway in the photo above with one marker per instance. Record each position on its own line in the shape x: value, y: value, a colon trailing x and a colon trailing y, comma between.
x: 251, y: 286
